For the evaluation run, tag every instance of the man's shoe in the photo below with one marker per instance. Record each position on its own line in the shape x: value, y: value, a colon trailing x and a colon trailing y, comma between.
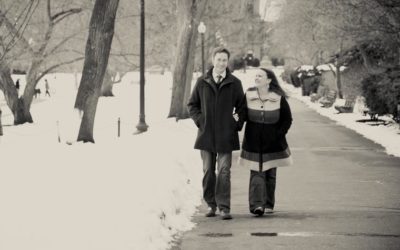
x: 226, y: 215
x: 269, y: 210
x: 211, y: 212
x: 259, y: 211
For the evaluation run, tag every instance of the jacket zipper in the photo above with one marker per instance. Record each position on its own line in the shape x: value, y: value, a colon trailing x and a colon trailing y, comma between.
x: 262, y: 132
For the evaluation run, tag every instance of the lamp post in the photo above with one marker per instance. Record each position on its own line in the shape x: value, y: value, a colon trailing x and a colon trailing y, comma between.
x: 202, y: 29
x: 142, y: 126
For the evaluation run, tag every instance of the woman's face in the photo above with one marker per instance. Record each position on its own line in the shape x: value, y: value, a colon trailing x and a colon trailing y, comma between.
x: 261, y: 78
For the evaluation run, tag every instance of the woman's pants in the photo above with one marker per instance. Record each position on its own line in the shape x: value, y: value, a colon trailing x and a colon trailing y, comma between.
x: 262, y: 189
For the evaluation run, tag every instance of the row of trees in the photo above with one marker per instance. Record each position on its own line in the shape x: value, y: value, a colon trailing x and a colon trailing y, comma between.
x: 29, y: 40
x: 346, y: 33
x: 315, y: 31
x: 39, y: 37
x: 228, y: 21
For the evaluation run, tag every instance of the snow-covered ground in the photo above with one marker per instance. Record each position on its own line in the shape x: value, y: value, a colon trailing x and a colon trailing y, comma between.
x: 131, y: 192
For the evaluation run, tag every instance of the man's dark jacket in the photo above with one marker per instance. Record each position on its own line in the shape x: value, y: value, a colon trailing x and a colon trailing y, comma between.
x: 211, y: 107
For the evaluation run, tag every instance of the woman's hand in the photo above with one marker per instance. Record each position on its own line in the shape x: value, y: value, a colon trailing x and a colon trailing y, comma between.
x: 236, y: 117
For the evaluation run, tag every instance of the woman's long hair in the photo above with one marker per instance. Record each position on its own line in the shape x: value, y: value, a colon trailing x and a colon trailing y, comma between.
x: 274, y: 84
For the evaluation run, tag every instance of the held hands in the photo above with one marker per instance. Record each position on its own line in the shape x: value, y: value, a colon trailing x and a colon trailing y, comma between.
x: 236, y: 117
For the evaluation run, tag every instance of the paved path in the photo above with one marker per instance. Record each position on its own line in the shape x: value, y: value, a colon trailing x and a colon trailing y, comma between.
x: 342, y: 193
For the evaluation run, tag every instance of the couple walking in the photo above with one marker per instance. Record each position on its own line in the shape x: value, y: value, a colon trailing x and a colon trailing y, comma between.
x: 219, y: 108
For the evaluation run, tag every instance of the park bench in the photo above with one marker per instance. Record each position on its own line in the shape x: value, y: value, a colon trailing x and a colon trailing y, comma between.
x: 347, y: 107
x: 328, y: 100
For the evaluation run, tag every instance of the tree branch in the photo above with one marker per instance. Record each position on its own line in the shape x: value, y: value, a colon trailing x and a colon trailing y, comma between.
x: 42, y: 74
x: 17, y: 33
x: 53, y: 20
x: 49, y: 10
x: 123, y: 54
x: 63, y: 14
x: 60, y: 44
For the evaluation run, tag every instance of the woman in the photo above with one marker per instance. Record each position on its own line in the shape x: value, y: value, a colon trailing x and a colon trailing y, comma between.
x: 264, y: 145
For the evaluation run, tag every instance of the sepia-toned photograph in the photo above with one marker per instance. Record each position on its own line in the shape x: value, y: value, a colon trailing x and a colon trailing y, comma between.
x: 199, y: 124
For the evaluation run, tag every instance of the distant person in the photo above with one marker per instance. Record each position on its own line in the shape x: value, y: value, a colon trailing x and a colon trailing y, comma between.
x: 268, y: 119
x: 17, y: 85
x: 47, y: 87
x: 215, y: 97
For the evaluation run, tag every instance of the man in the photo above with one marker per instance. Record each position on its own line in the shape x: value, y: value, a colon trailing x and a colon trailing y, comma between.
x: 47, y: 87
x: 215, y: 97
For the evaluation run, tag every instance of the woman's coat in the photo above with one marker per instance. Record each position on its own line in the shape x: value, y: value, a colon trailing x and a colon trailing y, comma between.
x: 267, y: 122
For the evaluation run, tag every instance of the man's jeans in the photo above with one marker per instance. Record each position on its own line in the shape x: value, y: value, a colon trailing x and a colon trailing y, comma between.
x: 217, y: 188
x: 262, y: 189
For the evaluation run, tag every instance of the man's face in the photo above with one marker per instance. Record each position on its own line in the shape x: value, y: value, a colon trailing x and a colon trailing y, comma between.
x: 220, y: 62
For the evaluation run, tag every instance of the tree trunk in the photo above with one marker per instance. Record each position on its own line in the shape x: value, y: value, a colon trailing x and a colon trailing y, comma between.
x: 8, y: 88
x: 106, y: 87
x: 321, y: 58
x: 339, y: 80
x: 191, y: 13
x: 20, y: 106
x: 17, y: 105
x: 110, y: 78
x: 97, y: 52
x: 29, y: 92
x: 338, y: 73
x: 87, y: 123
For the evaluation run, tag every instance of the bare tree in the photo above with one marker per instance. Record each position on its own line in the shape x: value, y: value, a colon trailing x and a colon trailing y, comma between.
x: 97, y: 52
x: 10, y: 35
x: 38, y: 53
x: 189, y: 13
x: 308, y: 27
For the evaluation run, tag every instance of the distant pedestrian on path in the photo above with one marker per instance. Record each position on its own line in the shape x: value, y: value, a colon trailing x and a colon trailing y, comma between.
x: 47, y: 86
x: 215, y: 97
x: 17, y: 85
x: 264, y: 148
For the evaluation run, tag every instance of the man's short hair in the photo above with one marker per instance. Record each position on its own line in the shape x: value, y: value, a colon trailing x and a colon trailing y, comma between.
x: 221, y: 50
